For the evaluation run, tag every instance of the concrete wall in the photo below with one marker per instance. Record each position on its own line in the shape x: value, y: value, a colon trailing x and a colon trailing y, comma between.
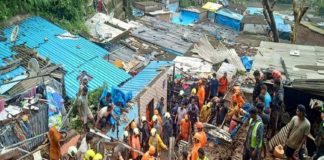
x: 154, y: 91
x: 255, y: 29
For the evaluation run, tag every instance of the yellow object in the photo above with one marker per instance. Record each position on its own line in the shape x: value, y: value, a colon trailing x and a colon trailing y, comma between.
x: 98, y: 156
x: 278, y: 152
x: 157, y: 142
x: 89, y: 154
x: 152, y: 150
x: 24, y: 118
x: 133, y: 125
x: 212, y: 7
x: 193, y: 91
x: 118, y: 63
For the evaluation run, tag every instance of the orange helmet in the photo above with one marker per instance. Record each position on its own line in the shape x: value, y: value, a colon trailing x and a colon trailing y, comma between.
x: 152, y: 150
x: 186, y: 117
x: 199, y: 125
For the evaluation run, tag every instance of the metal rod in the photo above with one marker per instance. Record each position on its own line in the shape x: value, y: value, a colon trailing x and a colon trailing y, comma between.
x: 25, y: 141
x: 285, y: 68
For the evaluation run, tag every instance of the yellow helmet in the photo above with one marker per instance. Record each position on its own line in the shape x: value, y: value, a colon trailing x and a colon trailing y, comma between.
x: 89, y: 154
x: 98, y: 156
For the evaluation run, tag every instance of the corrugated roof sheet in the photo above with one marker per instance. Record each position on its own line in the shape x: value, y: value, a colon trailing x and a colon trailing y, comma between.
x: 75, y: 55
x: 145, y: 77
x: 254, y: 11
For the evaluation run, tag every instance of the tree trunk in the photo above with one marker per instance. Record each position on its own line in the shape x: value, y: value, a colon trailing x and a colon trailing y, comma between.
x: 268, y: 14
x: 294, y: 35
x: 299, y: 12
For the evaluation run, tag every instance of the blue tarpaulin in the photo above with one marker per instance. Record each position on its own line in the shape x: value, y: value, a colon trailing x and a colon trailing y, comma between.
x: 247, y: 62
x: 253, y: 11
x: 118, y: 95
x: 283, y: 28
x: 185, y: 18
x: 228, y: 18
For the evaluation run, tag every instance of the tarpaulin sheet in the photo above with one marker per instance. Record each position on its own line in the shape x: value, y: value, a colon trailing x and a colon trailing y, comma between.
x: 212, y: 7
x: 185, y: 18
x: 228, y: 18
x: 247, y: 62
x: 56, y: 104
x: 118, y: 95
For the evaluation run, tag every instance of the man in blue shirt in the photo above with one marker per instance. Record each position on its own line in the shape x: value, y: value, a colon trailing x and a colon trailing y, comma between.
x: 267, y: 99
x: 213, y: 86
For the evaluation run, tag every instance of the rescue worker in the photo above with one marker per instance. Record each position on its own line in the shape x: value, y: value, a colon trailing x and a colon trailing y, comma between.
x: 237, y: 97
x: 156, y: 112
x: 205, y: 113
x: 185, y: 128
x: 201, y: 154
x: 72, y: 152
x: 202, y: 133
x: 193, y: 113
x: 194, y: 151
x: 156, y: 141
x: 98, y: 156
x: 253, y: 143
x: 223, y: 85
x: 134, y: 141
x: 201, y: 94
x: 145, y: 130
x: 155, y: 124
x: 167, y: 128
x: 84, y: 146
x: 123, y: 150
x: 257, y: 86
x: 89, y: 155
x: 319, y: 141
x: 149, y: 155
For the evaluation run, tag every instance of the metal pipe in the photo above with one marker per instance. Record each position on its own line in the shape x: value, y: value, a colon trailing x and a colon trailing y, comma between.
x: 25, y: 141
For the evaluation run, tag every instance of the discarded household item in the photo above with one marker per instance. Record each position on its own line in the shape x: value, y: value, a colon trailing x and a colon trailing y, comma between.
x: 278, y: 152
x: 294, y: 53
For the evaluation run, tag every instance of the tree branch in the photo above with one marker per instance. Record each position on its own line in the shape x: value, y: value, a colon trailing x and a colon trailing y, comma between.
x: 302, y: 13
x: 273, y: 4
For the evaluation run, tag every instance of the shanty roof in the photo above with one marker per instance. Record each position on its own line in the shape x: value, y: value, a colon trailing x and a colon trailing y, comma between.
x: 75, y: 53
x: 313, y: 27
x: 228, y: 13
x: 310, y: 57
x: 254, y: 20
x: 254, y: 11
x: 145, y: 77
x: 212, y: 7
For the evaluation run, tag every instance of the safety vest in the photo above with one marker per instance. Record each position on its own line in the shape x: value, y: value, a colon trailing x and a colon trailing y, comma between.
x: 254, y: 134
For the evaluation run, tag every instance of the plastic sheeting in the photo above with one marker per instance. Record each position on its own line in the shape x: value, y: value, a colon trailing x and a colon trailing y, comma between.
x: 118, y: 95
x: 212, y: 7
x: 247, y: 62
x: 230, y: 19
x: 283, y: 28
x: 185, y: 18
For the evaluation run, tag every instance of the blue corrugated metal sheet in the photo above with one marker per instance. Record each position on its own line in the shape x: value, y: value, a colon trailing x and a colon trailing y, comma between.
x: 75, y: 55
x: 228, y: 13
x: 254, y: 11
x: 144, y: 78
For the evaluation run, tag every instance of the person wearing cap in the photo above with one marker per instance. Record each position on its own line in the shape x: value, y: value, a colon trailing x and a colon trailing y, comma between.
x: 299, y: 128
x: 105, y: 101
x: 85, y: 145
x: 89, y: 154
x: 237, y: 97
x: 98, y: 156
x: 72, y: 153
x: 156, y: 141
x: 319, y: 141
x: 257, y: 85
x: 276, y: 107
x: 213, y: 82
x: 82, y: 102
x: 201, y: 154
x: 265, y: 120
x: 193, y: 95
x: 185, y: 128
x: 149, y: 155
x: 167, y: 128
x: 205, y: 112
x: 267, y: 98
x: 193, y: 113
x: 223, y: 85
x: 254, y: 138
x: 201, y: 132
x: 197, y: 144
x: 145, y: 130
x: 134, y: 141
x: 156, y: 124
x: 201, y: 94
x: 159, y: 118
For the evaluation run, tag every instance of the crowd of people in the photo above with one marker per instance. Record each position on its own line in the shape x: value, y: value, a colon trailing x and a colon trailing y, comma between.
x: 190, y: 106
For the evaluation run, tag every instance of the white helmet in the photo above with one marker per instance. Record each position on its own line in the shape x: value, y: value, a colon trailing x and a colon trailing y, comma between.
x: 125, y: 133
x: 167, y: 115
x: 181, y: 93
x: 143, y: 118
x: 154, y: 118
x: 153, y: 132
x: 136, y: 131
x: 72, y: 151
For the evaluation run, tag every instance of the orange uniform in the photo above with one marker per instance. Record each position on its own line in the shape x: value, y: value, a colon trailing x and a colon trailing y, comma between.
x: 238, y: 99
x: 55, y: 147
x: 201, y: 96
x: 134, y: 142
x: 147, y: 156
x: 194, y: 151
x: 203, y: 138
x: 184, y: 130
x: 223, y: 83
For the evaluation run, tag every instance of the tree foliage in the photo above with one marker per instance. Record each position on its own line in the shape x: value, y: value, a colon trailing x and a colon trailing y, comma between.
x: 69, y: 14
